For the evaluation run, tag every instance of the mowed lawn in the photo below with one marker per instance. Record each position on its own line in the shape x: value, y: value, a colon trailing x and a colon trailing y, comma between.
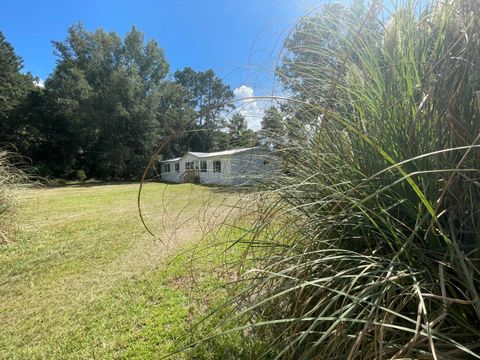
x: 85, y: 280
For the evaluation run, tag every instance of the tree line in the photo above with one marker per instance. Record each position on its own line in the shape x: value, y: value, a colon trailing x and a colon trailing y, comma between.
x: 108, y: 103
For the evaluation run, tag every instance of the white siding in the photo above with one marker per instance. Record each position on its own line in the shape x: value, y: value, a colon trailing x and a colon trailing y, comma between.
x: 171, y: 176
x: 236, y: 169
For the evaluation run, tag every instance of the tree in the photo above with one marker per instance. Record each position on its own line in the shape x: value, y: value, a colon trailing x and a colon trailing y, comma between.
x: 239, y: 134
x: 14, y: 90
x: 310, y: 49
x: 311, y: 69
x: 210, y: 98
x: 107, y: 91
x: 175, y: 113
x: 273, y: 130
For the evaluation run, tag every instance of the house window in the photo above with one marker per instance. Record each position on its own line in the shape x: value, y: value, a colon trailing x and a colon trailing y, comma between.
x: 177, y: 167
x: 189, y: 165
x: 217, y: 166
x: 166, y: 168
x: 203, y: 166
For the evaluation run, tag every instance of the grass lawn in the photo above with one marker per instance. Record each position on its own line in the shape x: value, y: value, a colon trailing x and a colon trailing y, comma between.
x: 85, y: 280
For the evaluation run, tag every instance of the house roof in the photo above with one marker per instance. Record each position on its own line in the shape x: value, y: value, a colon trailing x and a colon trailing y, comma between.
x: 172, y: 160
x: 212, y: 154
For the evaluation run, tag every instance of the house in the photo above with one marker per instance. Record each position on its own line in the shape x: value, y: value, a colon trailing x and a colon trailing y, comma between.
x: 230, y: 167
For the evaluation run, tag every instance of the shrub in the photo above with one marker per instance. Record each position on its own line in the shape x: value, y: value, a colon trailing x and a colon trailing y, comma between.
x: 371, y: 241
x: 80, y: 175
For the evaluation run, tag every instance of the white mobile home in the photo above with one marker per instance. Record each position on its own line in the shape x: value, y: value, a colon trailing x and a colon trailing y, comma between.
x: 230, y: 167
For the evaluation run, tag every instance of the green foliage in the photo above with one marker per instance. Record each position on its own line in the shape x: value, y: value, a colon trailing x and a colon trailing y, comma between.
x: 310, y: 51
x: 210, y: 98
x: 80, y: 175
x: 108, y: 92
x: 370, y: 239
x: 175, y: 112
x: 14, y: 91
x: 13, y: 85
x: 239, y: 134
x: 273, y: 128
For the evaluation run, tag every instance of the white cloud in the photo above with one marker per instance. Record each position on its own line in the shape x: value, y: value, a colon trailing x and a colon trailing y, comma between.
x: 249, y: 107
x: 243, y: 91
x: 39, y: 83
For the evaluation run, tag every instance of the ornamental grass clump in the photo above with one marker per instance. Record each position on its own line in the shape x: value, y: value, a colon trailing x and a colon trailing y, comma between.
x: 10, y: 178
x: 369, y: 245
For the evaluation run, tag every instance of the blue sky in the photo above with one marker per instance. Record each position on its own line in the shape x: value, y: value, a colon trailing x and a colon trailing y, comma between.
x: 239, y: 40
